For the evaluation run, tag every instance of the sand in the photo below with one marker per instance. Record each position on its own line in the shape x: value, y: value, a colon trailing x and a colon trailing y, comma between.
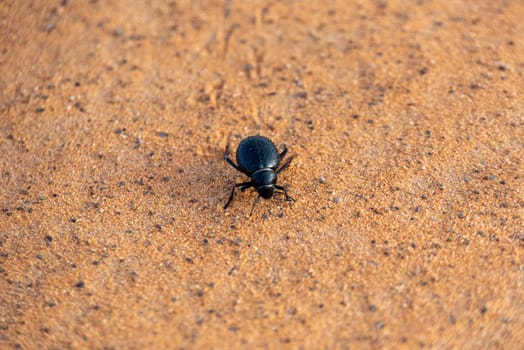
x: 405, y: 119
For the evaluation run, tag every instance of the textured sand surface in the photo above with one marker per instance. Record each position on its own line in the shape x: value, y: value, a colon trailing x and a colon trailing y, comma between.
x: 406, y: 122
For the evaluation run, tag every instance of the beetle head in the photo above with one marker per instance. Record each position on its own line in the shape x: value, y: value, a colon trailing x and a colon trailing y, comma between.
x: 266, y: 191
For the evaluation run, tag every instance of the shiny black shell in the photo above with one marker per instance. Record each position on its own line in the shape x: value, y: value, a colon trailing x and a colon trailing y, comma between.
x: 255, y: 153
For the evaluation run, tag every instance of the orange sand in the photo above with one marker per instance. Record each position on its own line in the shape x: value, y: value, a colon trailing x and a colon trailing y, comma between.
x: 113, y: 122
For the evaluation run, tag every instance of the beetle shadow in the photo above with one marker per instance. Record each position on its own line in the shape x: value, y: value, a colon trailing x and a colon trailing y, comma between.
x: 203, y: 183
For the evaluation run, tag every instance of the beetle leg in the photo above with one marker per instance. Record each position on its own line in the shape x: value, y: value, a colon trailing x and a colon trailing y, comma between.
x: 242, y: 185
x: 283, y: 153
x: 245, y: 187
x: 232, y: 163
x: 283, y: 189
x: 229, y: 160
x: 284, y: 166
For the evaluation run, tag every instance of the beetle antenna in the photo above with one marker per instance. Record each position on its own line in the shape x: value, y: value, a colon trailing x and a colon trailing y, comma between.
x: 253, y: 206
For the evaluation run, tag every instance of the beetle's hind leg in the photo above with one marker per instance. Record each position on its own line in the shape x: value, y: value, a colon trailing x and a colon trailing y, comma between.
x: 283, y: 167
x: 283, y: 153
x: 242, y: 185
x: 229, y: 160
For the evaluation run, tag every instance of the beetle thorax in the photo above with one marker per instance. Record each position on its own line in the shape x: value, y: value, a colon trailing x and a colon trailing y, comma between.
x: 264, y: 181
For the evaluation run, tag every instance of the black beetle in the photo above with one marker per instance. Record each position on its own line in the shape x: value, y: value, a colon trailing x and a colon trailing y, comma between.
x: 258, y: 158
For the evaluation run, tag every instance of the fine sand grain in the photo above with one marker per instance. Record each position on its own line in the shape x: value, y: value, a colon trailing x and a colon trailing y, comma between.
x: 406, y: 122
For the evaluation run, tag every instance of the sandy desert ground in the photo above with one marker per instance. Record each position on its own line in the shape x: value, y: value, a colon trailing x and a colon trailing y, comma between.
x: 405, y: 119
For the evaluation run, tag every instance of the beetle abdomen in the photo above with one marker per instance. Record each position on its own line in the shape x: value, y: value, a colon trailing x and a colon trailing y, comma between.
x: 257, y: 152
